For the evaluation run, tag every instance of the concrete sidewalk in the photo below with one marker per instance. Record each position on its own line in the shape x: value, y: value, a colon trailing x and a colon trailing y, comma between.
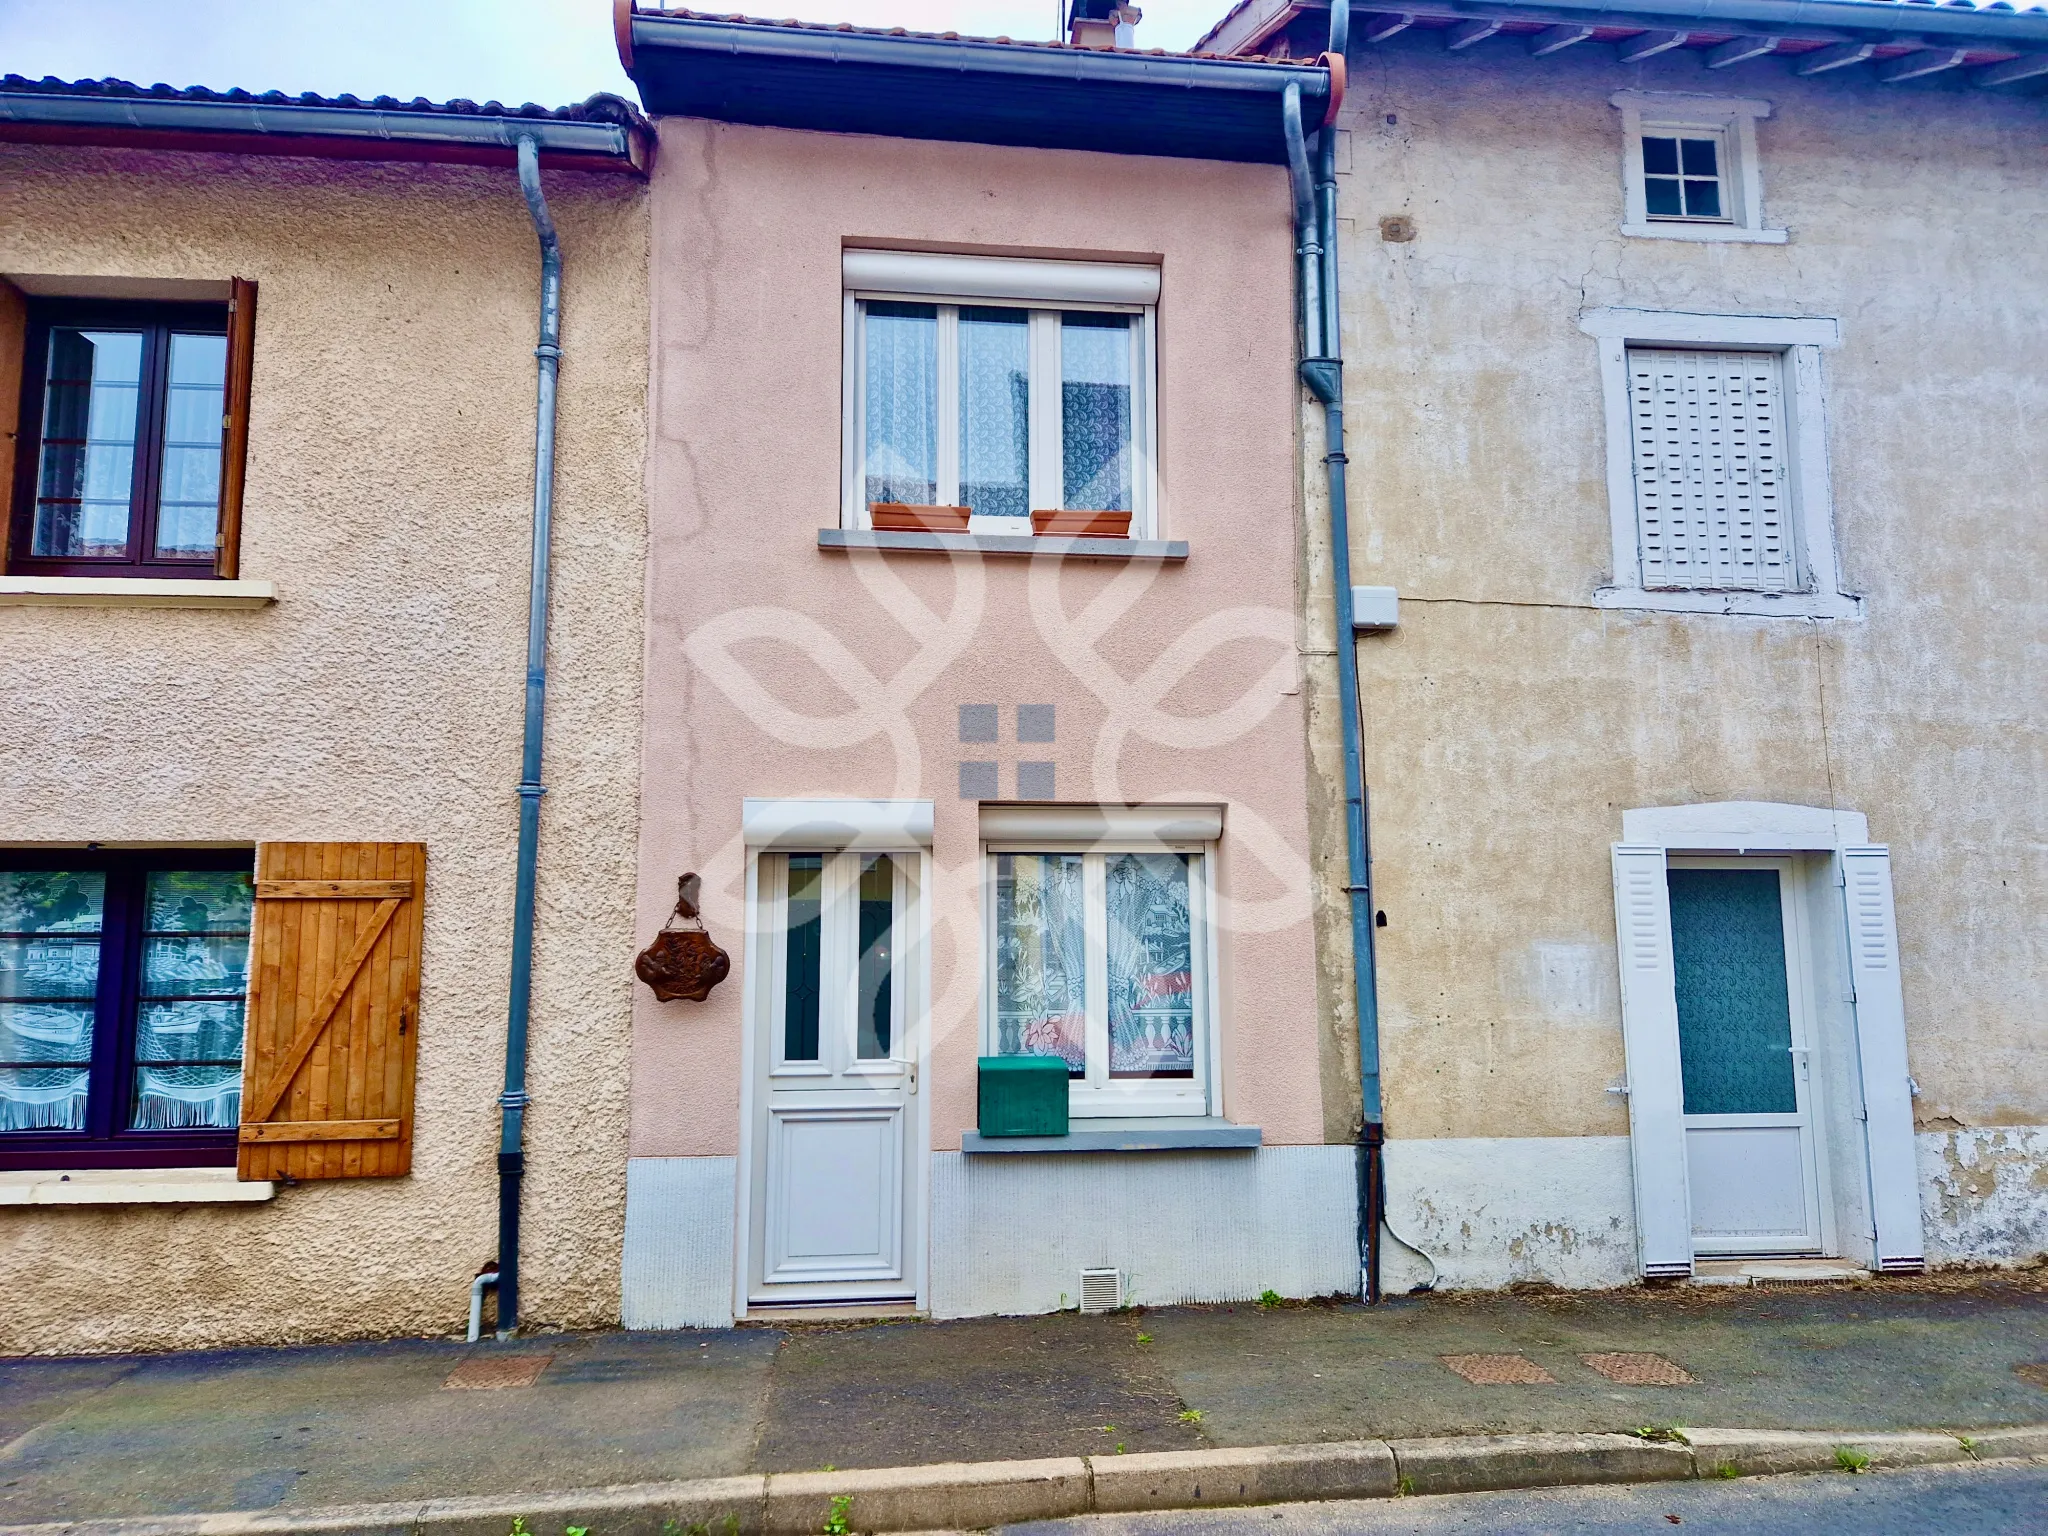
x: 383, y: 1423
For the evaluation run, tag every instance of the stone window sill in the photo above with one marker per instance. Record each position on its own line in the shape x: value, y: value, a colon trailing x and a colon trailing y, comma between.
x: 132, y: 592
x: 1187, y: 1134
x: 1032, y: 546
x: 132, y: 1186
x: 1769, y: 605
x: 1713, y: 234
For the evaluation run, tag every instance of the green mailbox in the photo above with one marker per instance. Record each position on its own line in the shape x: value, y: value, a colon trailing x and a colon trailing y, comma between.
x: 1023, y: 1096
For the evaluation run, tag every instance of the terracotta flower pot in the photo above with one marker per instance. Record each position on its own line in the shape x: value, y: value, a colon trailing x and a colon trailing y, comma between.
x: 901, y: 517
x: 1086, y: 525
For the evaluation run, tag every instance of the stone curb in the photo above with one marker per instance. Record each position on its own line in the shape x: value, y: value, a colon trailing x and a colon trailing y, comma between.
x: 957, y: 1496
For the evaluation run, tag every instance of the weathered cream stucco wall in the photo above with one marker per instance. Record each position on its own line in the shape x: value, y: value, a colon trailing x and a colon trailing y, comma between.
x: 389, y: 498
x: 1509, y: 722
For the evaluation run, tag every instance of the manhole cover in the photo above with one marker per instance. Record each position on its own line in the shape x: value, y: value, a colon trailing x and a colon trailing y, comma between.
x: 1639, y: 1370
x: 2034, y: 1373
x: 1500, y: 1370
x: 492, y: 1373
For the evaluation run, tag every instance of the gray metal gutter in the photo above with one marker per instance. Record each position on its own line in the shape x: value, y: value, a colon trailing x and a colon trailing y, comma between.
x: 346, y: 132
x: 1802, y: 20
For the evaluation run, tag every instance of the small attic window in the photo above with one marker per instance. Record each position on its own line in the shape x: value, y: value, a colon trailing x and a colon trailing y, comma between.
x: 1690, y: 169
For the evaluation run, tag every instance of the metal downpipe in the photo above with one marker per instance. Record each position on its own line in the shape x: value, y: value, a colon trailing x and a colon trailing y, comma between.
x: 512, y: 1102
x: 1323, y: 371
x: 1308, y: 249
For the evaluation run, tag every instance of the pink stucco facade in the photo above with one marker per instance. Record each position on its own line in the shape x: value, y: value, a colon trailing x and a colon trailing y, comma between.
x: 777, y: 668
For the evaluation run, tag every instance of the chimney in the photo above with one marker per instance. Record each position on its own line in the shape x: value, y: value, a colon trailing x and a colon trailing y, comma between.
x: 1102, y: 24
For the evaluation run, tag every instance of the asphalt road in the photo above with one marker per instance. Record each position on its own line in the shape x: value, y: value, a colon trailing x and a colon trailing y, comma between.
x: 1991, y: 1500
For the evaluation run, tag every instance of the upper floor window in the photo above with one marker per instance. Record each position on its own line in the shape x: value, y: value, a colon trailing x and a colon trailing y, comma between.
x: 1690, y: 169
x: 982, y: 388
x: 128, y: 454
x: 1717, y: 465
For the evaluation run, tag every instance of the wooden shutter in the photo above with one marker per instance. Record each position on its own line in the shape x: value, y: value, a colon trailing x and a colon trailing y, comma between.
x: 234, y: 427
x: 13, y: 363
x: 1881, y: 1054
x: 1649, y: 1032
x: 1712, y: 500
x: 334, y: 992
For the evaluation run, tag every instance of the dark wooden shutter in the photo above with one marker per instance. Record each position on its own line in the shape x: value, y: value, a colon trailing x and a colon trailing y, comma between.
x: 13, y: 362
x: 234, y: 427
x: 327, y: 1068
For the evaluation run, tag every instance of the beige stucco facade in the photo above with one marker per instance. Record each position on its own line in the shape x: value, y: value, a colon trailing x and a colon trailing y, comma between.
x: 389, y: 499
x: 1509, y: 721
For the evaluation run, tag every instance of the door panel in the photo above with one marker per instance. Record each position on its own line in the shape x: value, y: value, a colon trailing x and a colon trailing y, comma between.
x: 835, y: 1195
x: 1747, y: 1181
x: 1742, y: 1037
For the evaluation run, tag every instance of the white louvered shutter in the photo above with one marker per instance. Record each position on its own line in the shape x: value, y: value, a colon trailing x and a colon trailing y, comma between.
x: 1649, y: 1030
x: 1712, y: 500
x: 1881, y: 1053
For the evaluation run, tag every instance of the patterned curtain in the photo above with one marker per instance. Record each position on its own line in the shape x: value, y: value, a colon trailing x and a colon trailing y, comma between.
x: 1041, y: 964
x: 1734, y: 1012
x: 995, y: 416
x: 903, y: 403
x: 49, y: 979
x: 1095, y: 411
x: 1151, y: 966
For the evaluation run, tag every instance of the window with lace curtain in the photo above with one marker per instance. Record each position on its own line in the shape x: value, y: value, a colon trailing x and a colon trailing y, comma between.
x: 1028, y: 396
x: 124, y: 978
x: 1098, y: 956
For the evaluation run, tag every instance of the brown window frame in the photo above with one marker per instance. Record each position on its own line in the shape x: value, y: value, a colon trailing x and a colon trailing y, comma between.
x: 104, y: 1142
x: 156, y: 320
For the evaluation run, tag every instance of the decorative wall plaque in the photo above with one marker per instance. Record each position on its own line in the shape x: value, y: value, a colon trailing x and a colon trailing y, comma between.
x: 683, y: 962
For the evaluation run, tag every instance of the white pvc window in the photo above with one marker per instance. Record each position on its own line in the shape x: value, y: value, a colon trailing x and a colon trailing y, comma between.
x: 1101, y: 956
x: 1690, y: 167
x: 986, y: 400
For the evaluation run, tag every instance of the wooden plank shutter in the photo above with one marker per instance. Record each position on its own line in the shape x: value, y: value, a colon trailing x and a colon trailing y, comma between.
x: 1712, y: 502
x: 13, y: 363
x: 234, y: 427
x: 327, y: 1073
x: 1881, y: 1054
x: 1649, y: 1032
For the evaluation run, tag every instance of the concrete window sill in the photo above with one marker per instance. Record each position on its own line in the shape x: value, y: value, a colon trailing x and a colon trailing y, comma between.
x: 1032, y: 547
x: 1779, y: 605
x: 131, y: 1186
x: 1713, y: 234
x: 132, y: 592
x: 1189, y: 1134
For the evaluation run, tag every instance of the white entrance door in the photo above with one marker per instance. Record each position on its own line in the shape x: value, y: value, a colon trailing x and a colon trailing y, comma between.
x: 1743, y: 1043
x: 833, y: 1176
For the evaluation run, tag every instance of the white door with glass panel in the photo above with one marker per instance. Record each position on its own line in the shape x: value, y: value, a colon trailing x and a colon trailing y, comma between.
x: 833, y: 1172
x: 1744, y: 1054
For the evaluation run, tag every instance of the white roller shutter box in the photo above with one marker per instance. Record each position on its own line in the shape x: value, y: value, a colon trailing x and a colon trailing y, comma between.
x: 1656, y: 1091
x: 1881, y: 1054
x: 1713, y: 502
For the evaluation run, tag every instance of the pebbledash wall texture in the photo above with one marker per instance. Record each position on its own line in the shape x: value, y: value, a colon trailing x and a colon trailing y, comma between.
x: 389, y: 499
x: 1509, y: 721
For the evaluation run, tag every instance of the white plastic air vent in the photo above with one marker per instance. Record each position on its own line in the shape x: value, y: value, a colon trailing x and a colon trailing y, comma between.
x: 1102, y: 1290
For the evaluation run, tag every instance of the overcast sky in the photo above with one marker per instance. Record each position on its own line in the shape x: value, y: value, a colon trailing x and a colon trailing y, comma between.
x: 550, y: 51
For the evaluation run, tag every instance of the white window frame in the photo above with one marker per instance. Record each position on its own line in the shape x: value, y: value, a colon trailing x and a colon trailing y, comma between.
x: 1042, y: 288
x: 1098, y: 834
x: 1731, y: 119
x: 1798, y: 342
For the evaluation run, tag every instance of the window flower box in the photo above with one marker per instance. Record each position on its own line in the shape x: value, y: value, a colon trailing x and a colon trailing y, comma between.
x: 900, y: 517
x: 1086, y: 525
